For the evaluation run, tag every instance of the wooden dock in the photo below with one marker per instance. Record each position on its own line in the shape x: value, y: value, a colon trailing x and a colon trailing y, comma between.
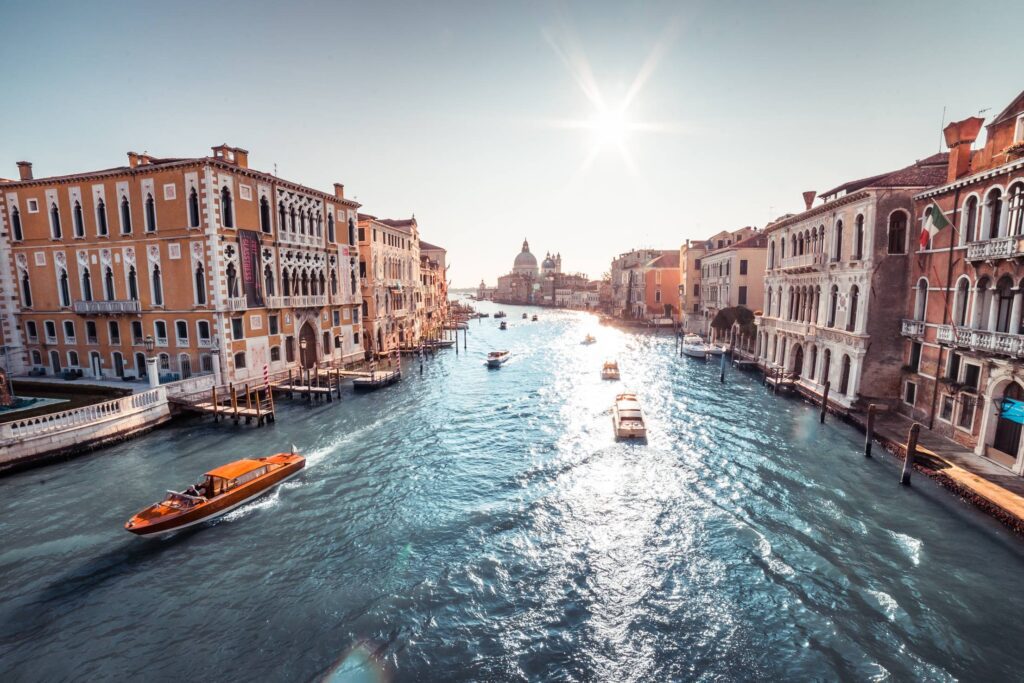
x: 252, y: 405
x: 376, y: 380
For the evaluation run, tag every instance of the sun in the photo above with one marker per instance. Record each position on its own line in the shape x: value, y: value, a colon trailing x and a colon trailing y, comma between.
x: 610, y: 127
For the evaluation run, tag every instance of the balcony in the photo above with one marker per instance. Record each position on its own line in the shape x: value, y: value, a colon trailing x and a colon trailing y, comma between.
x: 912, y: 328
x: 982, y: 340
x: 107, y: 307
x: 297, y: 301
x: 237, y: 303
x: 998, y: 248
x: 802, y: 263
x: 793, y: 327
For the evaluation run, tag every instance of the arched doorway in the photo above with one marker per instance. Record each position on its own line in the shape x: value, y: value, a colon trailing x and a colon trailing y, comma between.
x: 844, y: 376
x: 96, y: 364
x: 1008, y: 431
x: 380, y: 339
x: 307, y: 346
x: 140, y: 365
x: 185, y: 365
x: 55, y: 362
x: 118, y: 364
x: 798, y: 360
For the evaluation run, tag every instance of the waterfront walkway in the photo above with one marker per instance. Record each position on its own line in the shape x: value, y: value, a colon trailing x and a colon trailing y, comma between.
x: 989, y: 486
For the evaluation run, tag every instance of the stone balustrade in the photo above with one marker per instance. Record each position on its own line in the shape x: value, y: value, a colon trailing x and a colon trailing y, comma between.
x: 237, y: 303
x: 107, y: 307
x: 998, y: 248
x: 86, y: 416
x: 982, y: 340
x: 912, y: 328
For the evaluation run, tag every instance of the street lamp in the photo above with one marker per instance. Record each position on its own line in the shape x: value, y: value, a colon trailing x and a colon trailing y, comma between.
x: 151, y: 370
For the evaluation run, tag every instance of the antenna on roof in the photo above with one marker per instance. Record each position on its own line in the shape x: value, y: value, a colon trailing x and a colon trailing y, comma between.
x: 275, y: 168
x: 942, y: 138
x: 982, y: 111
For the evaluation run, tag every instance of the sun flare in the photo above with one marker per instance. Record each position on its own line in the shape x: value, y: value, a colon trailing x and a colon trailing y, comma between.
x: 610, y: 127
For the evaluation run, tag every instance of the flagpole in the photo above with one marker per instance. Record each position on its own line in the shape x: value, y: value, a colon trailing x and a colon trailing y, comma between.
x: 946, y: 304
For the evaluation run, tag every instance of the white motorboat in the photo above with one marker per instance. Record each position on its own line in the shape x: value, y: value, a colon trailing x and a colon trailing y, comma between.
x: 628, y: 418
x: 589, y: 339
x: 695, y: 347
x: 715, y: 350
x: 495, y: 359
x: 610, y: 370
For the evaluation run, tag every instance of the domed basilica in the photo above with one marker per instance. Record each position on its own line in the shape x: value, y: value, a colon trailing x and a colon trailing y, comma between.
x: 523, y: 284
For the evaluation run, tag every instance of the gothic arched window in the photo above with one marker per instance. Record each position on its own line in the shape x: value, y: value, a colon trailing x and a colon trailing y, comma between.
x: 193, y: 208
x: 226, y: 210
x: 126, y: 216
x: 150, y: 213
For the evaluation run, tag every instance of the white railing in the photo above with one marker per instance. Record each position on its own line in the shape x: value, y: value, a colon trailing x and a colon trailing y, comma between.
x: 237, y: 303
x: 299, y: 301
x: 205, y: 343
x: 1000, y: 247
x: 793, y: 327
x: 89, y: 307
x: 982, y: 340
x: 802, y: 261
x: 86, y: 415
x: 912, y: 328
x: 194, y: 384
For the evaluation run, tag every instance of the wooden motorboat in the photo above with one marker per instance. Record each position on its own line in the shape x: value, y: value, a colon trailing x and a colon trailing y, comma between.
x: 221, y: 491
x: 628, y: 418
x: 503, y: 325
x: 495, y: 359
x: 500, y: 314
x: 589, y: 339
x: 694, y: 346
x: 610, y: 370
x: 534, y: 319
x: 377, y: 379
x: 525, y: 316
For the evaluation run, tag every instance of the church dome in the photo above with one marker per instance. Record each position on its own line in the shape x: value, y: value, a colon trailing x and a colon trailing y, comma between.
x: 548, y: 264
x: 525, y: 261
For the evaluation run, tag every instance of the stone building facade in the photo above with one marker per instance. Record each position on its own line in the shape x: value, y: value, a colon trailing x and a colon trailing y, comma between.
x: 834, y: 283
x: 964, y: 338
x: 733, y: 276
x: 225, y: 267
x: 392, y: 292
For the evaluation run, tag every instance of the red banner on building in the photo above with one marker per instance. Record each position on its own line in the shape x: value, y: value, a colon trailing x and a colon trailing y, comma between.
x: 250, y: 257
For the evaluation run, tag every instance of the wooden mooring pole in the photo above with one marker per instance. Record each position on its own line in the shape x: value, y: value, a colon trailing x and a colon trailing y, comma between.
x: 908, y: 464
x: 234, y: 403
x: 869, y: 429
x: 824, y: 401
x: 213, y: 400
x: 721, y: 368
x: 248, y: 403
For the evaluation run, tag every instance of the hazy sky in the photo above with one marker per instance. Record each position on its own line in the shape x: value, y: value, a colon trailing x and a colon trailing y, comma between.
x: 467, y: 114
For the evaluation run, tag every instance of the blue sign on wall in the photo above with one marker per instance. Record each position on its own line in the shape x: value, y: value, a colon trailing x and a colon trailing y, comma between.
x: 1012, y: 410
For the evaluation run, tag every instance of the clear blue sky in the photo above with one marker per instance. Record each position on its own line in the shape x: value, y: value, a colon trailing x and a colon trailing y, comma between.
x: 458, y: 111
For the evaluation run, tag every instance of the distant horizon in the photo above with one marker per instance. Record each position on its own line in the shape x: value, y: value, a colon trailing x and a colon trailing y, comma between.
x: 590, y: 128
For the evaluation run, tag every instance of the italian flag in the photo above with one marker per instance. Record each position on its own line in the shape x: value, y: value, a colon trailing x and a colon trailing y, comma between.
x: 935, y: 221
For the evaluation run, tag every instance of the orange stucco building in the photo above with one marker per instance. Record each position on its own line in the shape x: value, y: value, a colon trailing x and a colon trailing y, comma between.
x: 226, y: 268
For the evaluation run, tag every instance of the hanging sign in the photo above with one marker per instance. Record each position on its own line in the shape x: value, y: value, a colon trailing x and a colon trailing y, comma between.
x: 249, y: 255
x: 1012, y: 410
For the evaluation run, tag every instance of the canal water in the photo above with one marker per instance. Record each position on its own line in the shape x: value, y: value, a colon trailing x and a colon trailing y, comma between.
x: 475, y: 524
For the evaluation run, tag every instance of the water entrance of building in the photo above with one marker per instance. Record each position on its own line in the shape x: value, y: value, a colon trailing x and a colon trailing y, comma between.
x: 55, y: 362
x: 95, y: 364
x: 1006, y: 443
x: 798, y: 360
x: 307, y: 346
x: 185, y: 363
x: 118, y: 364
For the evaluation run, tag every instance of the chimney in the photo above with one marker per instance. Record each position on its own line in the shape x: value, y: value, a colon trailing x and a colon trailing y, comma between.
x: 25, y: 170
x: 242, y: 157
x: 133, y: 159
x: 339, y: 190
x: 809, y: 199
x: 960, y: 135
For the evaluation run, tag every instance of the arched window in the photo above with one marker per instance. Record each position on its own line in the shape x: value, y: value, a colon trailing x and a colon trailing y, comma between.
x: 158, y: 287
x: 771, y: 258
x: 126, y: 216
x: 26, y: 290
x: 286, y: 285
x: 970, y: 221
x: 334, y: 282
x: 813, y: 362
x: 1016, y: 215
x: 844, y: 376
x: 282, y: 219
x: 16, y: 224
x: 858, y: 238
x: 291, y: 216
x: 305, y: 283
x: 838, y: 256
x: 851, y: 315
x: 330, y: 227
x: 232, y: 280
x: 768, y: 301
x: 960, y: 302
x: 226, y: 209
x: 101, y: 218
x: 150, y: 213
x: 78, y: 219
x: 782, y: 249
x: 193, y: 208
x: 240, y: 360
x: 921, y: 299
x: 323, y: 284
x: 993, y: 211
x: 268, y: 280
x: 133, y: 284
x: 55, y: 221
x: 1004, y: 304
x: 351, y: 232
x: 275, y: 354
x: 108, y: 285
x: 114, y: 330
x: 302, y: 223
x: 898, y: 233
x: 200, y: 280
x: 65, y: 289
x: 319, y: 225
x: 264, y: 215
x: 833, y: 304
x: 86, y: 285
x: 165, y: 361
x: 982, y: 301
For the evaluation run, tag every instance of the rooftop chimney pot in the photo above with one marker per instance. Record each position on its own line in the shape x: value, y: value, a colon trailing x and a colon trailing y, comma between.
x: 25, y: 170
x: 809, y: 199
x: 339, y: 190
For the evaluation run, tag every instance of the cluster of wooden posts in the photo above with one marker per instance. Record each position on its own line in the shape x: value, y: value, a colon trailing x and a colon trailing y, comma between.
x: 257, y: 404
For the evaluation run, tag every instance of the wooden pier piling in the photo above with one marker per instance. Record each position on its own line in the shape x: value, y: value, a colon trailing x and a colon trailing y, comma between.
x: 869, y: 429
x: 908, y: 464
x: 824, y: 401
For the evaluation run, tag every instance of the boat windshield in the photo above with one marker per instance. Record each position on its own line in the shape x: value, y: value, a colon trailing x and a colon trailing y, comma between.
x: 181, y: 501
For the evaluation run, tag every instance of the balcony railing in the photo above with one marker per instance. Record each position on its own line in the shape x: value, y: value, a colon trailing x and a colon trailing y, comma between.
x: 912, y: 328
x: 297, y: 301
x: 802, y: 262
x: 237, y: 303
x: 101, y: 307
x: 998, y: 248
x: 982, y: 340
x: 793, y: 327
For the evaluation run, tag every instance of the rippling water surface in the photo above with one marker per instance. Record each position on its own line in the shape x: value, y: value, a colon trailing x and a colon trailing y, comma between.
x: 483, y: 525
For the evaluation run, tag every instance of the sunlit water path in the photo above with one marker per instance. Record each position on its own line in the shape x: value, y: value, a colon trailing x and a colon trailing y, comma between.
x: 483, y: 525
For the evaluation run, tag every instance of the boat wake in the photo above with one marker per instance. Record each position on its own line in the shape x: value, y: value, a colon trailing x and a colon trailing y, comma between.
x: 268, y: 501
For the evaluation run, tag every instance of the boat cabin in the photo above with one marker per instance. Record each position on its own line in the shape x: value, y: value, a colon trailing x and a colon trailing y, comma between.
x: 233, y: 475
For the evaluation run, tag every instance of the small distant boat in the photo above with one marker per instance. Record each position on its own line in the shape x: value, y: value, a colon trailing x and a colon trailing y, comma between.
x: 534, y: 319
x: 495, y: 359
x: 222, y: 490
x: 610, y: 370
x: 524, y: 316
x: 694, y: 346
x: 589, y: 339
x: 628, y: 418
x: 503, y: 325
x: 500, y: 314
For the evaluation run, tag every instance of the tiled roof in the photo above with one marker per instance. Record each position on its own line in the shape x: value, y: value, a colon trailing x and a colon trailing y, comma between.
x: 428, y: 245
x: 670, y: 259
x: 924, y: 173
x: 399, y: 222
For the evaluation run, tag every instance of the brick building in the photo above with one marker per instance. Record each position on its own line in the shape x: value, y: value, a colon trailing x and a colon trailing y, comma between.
x: 225, y: 267
x: 964, y: 333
